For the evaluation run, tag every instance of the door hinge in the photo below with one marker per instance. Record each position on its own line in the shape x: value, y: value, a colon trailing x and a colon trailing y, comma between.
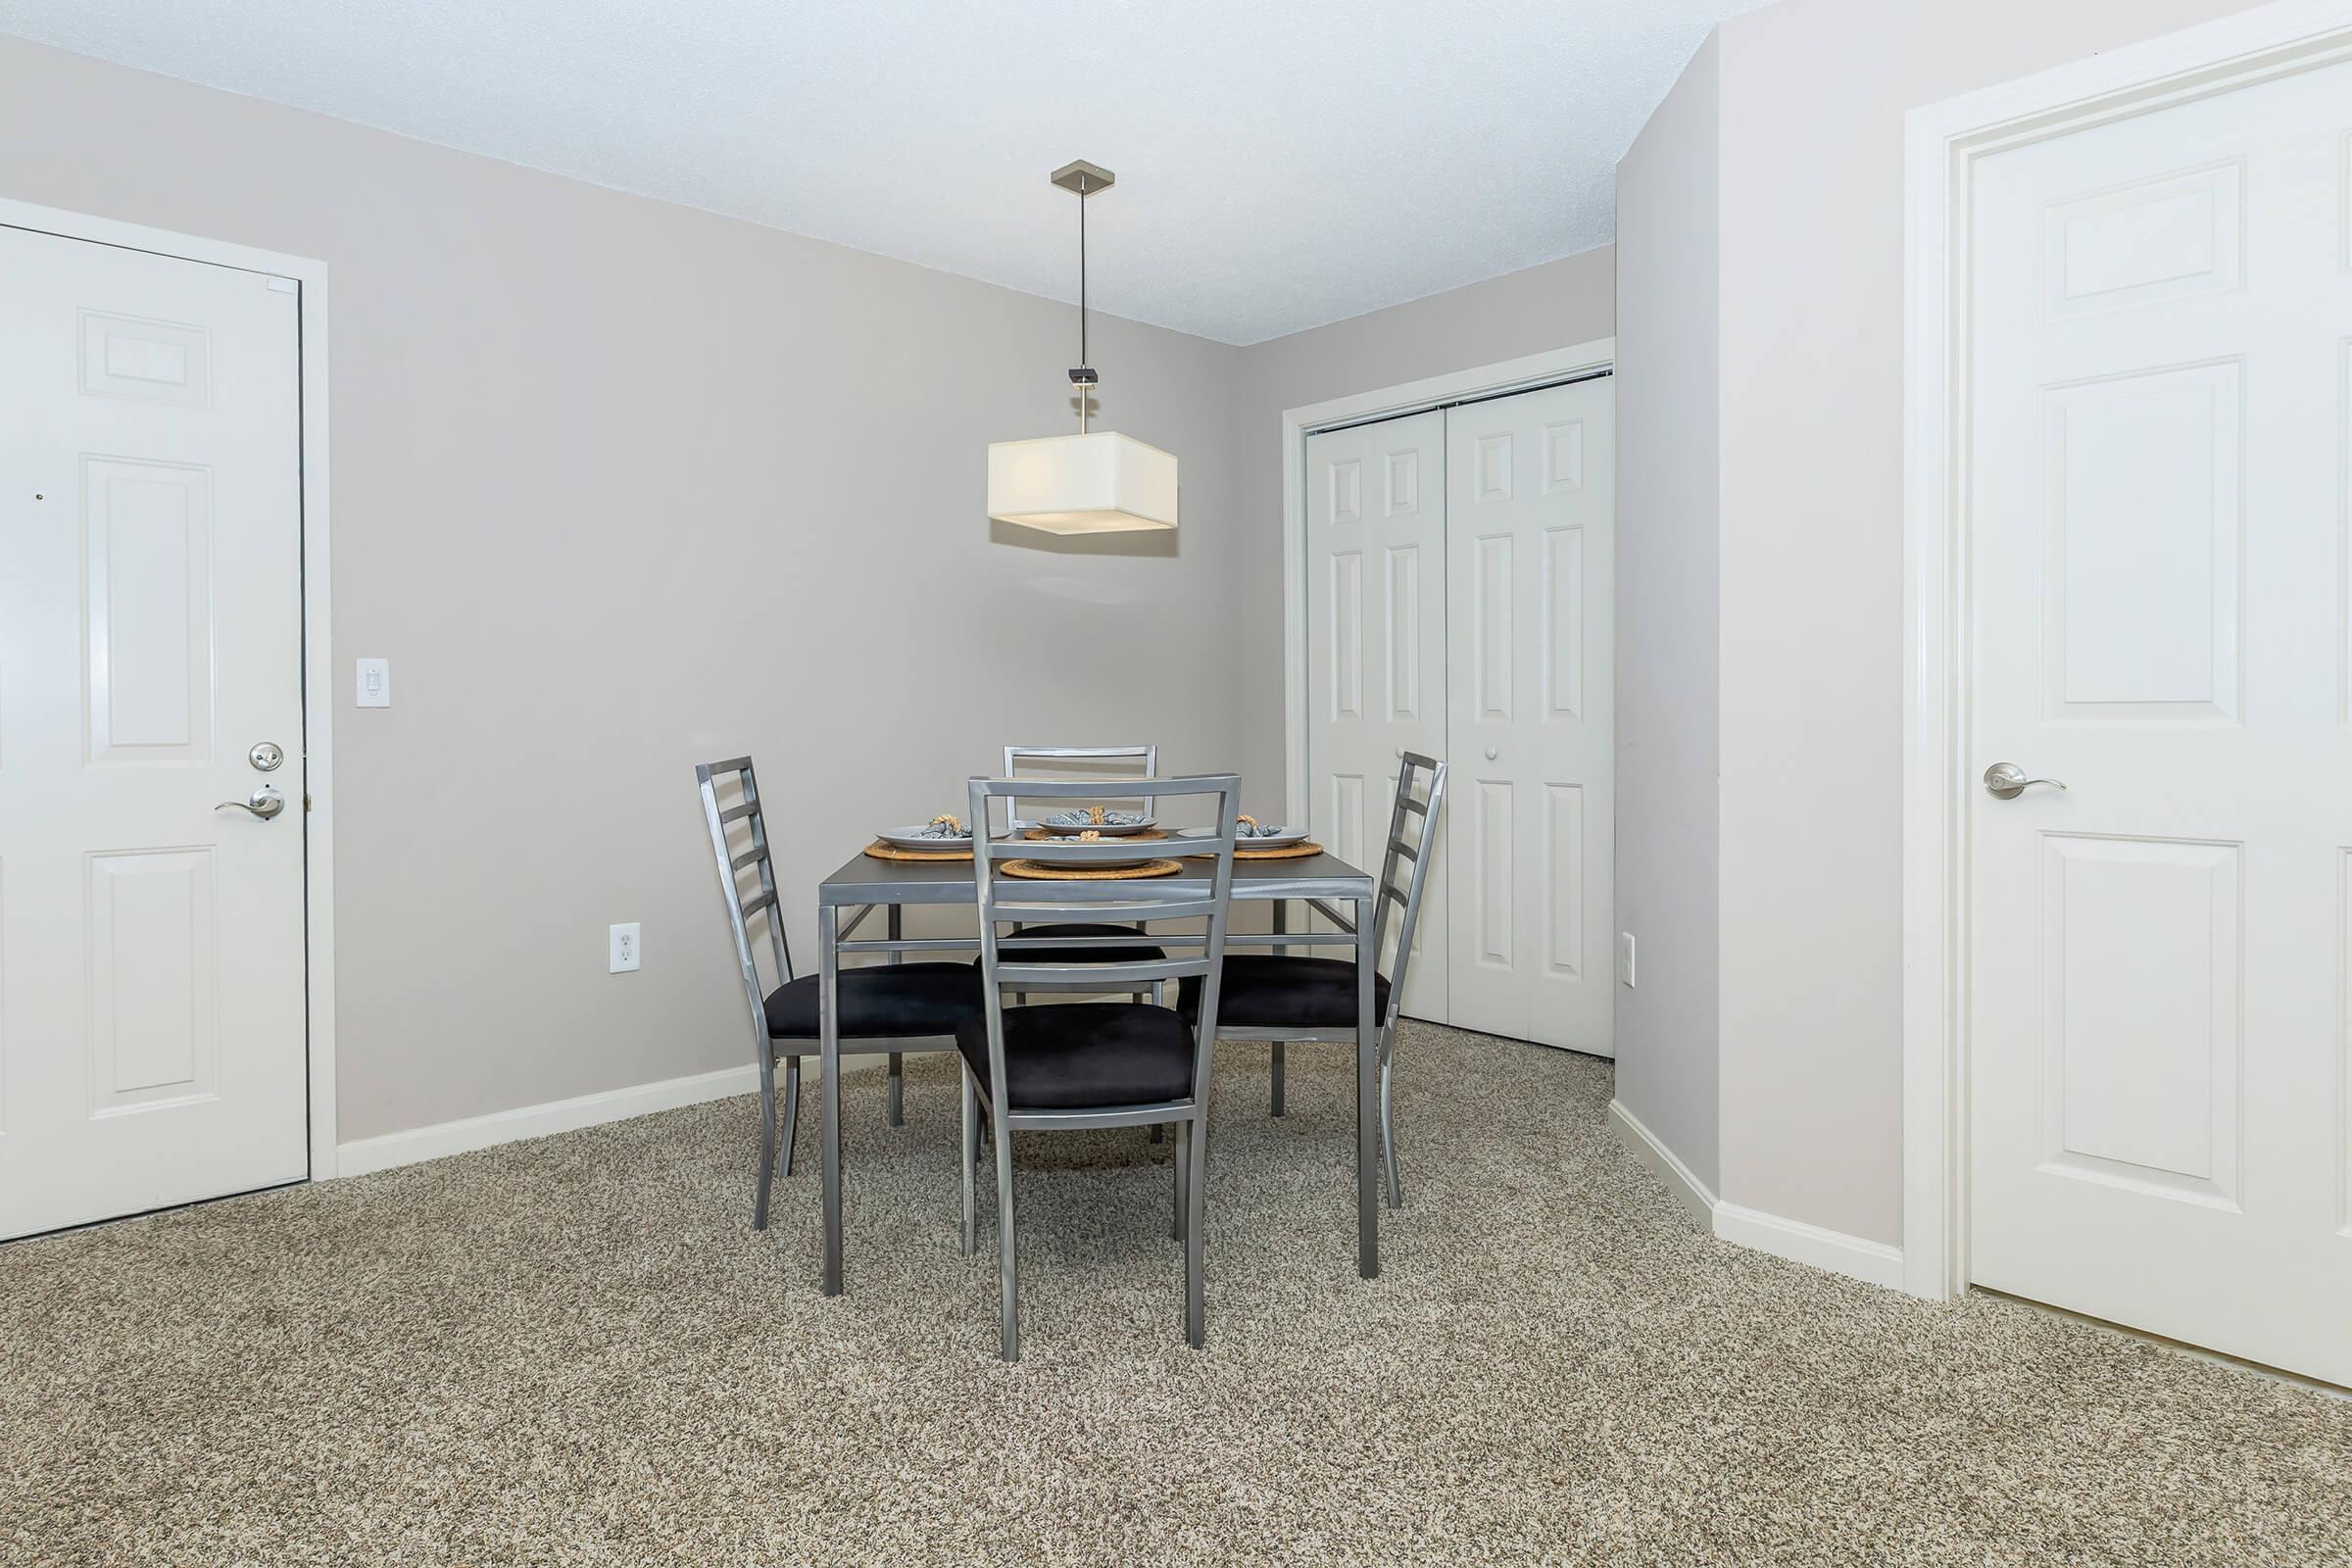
x: 306, y: 805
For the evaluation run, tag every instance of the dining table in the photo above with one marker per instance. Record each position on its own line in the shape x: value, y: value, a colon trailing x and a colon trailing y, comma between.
x: 1342, y: 894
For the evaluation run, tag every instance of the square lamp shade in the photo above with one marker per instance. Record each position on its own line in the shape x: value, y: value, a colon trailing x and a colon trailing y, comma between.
x: 1102, y: 482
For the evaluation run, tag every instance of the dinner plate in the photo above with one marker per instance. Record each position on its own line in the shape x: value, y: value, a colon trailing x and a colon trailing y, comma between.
x: 912, y: 837
x: 1109, y: 830
x: 1048, y: 851
x: 1279, y: 838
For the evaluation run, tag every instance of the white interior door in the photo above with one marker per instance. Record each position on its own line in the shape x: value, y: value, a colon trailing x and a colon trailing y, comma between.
x: 1530, y: 522
x: 1376, y: 649
x: 2161, y: 360
x: 151, y: 1045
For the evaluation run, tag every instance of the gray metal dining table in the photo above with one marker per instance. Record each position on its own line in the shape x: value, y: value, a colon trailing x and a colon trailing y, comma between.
x: 1342, y: 894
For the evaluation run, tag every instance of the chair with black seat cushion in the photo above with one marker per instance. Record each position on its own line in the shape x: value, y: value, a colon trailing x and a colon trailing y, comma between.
x: 883, y: 1009
x: 1082, y: 1064
x: 1284, y: 997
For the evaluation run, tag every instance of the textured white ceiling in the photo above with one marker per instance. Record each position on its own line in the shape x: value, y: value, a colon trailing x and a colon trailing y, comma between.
x: 1281, y: 162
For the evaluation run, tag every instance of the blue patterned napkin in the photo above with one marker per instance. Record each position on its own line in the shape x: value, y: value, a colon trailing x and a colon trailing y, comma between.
x: 1084, y: 816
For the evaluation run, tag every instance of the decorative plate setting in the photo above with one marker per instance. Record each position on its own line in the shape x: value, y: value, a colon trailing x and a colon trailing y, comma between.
x: 942, y: 832
x: 1044, y: 853
x: 1252, y: 836
x: 1095, y: 819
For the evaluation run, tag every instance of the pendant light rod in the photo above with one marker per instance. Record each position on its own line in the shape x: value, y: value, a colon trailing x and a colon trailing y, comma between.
x: 1083, y: 179
x: 1082, y: 270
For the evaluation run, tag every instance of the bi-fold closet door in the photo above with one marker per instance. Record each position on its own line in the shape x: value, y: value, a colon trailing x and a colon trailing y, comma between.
x: 1459, y: 603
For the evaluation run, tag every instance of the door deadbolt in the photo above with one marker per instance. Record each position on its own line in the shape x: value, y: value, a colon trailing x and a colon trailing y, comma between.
x: 264, y: 757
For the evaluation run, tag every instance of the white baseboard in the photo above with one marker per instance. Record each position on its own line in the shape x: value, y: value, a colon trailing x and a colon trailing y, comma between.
x: 539, y: 1121
x: 1873, y: 1261
x: 1684, y: 1183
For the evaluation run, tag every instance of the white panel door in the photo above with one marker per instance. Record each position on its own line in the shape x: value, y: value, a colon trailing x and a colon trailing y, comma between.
x: 2161, y: 362
x: 1376, y: 649
x: 152, y: 1042
x: 1530, y: 520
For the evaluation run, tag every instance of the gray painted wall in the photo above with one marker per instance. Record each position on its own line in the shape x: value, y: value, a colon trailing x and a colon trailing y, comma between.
x: 1668, y: 693
x: 620, y: 486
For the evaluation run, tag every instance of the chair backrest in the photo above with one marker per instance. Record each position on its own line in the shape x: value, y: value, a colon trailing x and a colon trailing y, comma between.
x: 737, y: 823
x: 1112, y: 763
x: 1412, y: 837
x: 1011, y: 901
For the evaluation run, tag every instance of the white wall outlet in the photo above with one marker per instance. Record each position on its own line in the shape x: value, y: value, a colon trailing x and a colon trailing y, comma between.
x: 625, y: 948
x: 375, y: 683
x: 1625, y: 959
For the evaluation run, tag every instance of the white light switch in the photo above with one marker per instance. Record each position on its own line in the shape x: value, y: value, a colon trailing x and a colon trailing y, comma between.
x: 1625, y: 959
x: 625, y: 948
x: 375, y: 683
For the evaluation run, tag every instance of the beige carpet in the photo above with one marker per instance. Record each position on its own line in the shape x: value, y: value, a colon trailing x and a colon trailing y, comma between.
x: 575, y: 1352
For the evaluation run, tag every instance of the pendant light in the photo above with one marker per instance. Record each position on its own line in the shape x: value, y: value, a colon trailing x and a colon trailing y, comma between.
x: 1097, y: 481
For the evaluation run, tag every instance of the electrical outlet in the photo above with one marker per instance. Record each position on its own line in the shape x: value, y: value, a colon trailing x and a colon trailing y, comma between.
x: 625, y: 948
x: 1625, y: 959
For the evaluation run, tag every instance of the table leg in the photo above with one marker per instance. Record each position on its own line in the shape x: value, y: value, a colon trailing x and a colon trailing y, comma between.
x: 1282, y: 924
x: 828, y: 1087
x: 897, y: 1109
x: 1367, y: 1098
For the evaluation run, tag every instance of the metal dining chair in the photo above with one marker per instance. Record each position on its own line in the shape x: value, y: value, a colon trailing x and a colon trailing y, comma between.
x: 1144, y: 757
x: 882, y: 1008
x: 1082, y: 1064
x: 1283, y: 996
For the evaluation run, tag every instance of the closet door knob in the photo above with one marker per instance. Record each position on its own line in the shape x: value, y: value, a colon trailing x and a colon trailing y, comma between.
x: 1491, y: 752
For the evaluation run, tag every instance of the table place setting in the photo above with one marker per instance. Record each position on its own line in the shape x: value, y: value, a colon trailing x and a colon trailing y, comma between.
x: 946, y: 837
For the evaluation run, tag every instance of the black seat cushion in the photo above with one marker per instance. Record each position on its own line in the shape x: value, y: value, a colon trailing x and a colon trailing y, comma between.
x: 1141, y: 953
x: 1086, y: 1054
x: 1281, y: 991
x: 891, y: 999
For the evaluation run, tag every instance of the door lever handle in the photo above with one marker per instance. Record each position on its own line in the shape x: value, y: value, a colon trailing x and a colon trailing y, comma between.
x: 265, y: 804
x: 2006, y: 781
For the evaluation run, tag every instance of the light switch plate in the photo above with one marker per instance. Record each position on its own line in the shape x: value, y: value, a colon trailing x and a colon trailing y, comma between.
x: 375, y: 683
x: 1625, y: 959
x: 625, y: 948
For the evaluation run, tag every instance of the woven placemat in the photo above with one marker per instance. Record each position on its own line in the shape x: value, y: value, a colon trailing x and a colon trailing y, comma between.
x: 1038, y: 835
x: 1289, y: 852
x: 1043, y: 872
x: 891, y: 852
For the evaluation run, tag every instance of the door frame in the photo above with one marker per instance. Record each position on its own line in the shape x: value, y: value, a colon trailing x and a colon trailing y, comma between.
x: 318, y: 647
x: 1942, y: 144
x: 1575, y: 362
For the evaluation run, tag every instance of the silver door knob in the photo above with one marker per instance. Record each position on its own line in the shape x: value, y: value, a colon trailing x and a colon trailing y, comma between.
x: 2006, y: 781
x: 265, y: 803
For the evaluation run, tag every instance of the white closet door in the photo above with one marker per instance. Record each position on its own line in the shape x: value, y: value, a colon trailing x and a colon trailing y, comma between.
x: 2161, y: 356
x: 151, y: 947
x: 1376, y: 648
x: 1531, y: 510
